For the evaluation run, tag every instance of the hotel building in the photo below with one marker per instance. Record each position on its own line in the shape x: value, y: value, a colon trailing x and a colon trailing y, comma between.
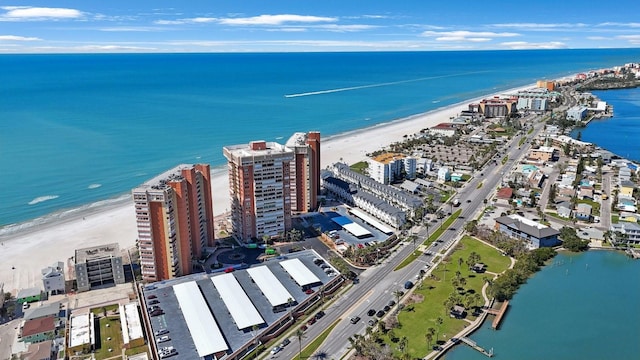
x: 174, y: 213
x: 306, y: 172
x: 260, y: 186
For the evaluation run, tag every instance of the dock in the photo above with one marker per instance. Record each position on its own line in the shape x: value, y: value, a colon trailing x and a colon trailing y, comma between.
x: 499, y: 314
x: 633, y: 253
x: 476, y: 347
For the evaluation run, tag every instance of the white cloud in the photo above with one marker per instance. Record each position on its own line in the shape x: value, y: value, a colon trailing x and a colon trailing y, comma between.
x: 19, y: 13
x: 345, y: 28
x: 539, y: 26
x: 18, y: 38
x: 630, y: 25
x: 169, y: 22
x: 276, y: 19
x: 633, y: 39
x: 131, y: 29
x: 462, y: 35
x: 522, y: 45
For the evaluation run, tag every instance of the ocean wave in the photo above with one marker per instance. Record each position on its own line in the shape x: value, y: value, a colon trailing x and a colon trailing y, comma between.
x: 40, y: 199
x: 94, y: 186
x: 10, y: 229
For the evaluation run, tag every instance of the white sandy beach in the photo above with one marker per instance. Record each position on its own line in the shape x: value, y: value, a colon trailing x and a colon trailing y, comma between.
x: 26, y: 253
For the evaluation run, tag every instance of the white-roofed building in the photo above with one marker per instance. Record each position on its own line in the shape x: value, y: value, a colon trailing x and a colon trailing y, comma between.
x: 205, y: 333
x: 81, y: 333
x: 277, y: 295
x: 240, y: 307
x: 300, y: 273
x: 132, y: 335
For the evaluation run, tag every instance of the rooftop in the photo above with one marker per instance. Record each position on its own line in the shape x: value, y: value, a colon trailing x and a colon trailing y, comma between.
x: 160, y: 181
x: 527, y: 226
x: 38, y: 326
x: 387, y: 158
x: 97, y: 252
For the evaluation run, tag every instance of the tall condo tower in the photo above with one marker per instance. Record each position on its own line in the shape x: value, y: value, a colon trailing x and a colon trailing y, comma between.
x: 260, y: 185
x: 174, y: 213
x: 306, y: 171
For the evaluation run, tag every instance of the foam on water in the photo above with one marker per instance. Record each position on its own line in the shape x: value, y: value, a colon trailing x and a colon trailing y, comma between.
x: 94, y: 186
x: 41, y: 199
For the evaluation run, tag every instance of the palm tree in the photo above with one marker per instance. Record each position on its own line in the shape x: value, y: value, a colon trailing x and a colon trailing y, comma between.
x: 439, y: 321
x: 460, y: 261
x: 397, y: 293
x: 429, y: 339
x: 300, y: 336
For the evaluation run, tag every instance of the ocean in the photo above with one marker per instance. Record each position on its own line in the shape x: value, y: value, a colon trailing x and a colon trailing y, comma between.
x: 583, y: 306
x: 80, y: 131
x: 619, y: 133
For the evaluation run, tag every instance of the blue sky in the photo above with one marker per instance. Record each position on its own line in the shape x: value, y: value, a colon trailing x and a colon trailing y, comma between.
x: 55, y: 26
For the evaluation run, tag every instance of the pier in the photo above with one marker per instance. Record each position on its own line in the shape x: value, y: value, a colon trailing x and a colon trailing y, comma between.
x: 476, y: 347
x: 499, y: 314
x: 634, y: 253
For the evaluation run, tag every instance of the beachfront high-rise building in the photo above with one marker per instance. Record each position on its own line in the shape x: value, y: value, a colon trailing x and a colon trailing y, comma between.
x: 260, y: 185
x: 305, y: 171
x: 174, y: 213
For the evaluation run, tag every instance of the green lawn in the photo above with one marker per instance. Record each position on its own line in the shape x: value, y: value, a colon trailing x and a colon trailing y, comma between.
x: 360, y: 167
x: 414, y: 324
x: 310, y: 349
x: 112, y: 331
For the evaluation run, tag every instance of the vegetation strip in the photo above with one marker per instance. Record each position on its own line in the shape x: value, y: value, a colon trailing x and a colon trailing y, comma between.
x: 310, y: 349
x: 435, y: 235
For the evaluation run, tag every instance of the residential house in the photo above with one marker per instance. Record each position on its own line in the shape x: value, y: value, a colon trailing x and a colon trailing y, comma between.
x: 628, y: 216
x: 564, y: 209
x: 39, y: 351
x: 583, y: 212
x: 544, y: 153
x: 585, y: 193
x: 38, y: 330
x: 534, y: 234
x: 53, y: 278
x: 626, y: 188
x: 505, y: 193
x: 444, y: 174
x: 626, y: 233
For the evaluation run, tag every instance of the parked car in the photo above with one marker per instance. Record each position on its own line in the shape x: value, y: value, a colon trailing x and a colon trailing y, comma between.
x: 371, y: 312
x: 319, y: 314
x: 163, y: 338
x: 391, y: 302
x: 311, y: 321
x: 355, y: 319
x: 161, y: 332
x: 308, y: 291
x: 372, y: 322
x: 380, y: 313
x: 408, y: 285
x: 387, y: 308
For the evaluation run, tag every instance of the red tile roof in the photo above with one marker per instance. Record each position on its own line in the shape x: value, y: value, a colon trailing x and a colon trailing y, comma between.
x: 505, y: 193
x: 38, y: 326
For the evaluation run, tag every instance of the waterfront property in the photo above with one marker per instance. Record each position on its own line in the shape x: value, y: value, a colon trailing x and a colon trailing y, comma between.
x: 534, y: 234
x: 626, y: 233
x: 269, y: 181
x: 387, y: 168
x: 174, y: 217
x: 53, y: 278
x: 98, y: 265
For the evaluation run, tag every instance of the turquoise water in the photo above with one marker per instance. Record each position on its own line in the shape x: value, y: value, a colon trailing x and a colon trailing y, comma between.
x: 620, y: 133
x: 583, y: 306
x: 81, y: 129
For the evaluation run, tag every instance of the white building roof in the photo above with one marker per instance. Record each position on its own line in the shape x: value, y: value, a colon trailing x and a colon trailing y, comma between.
x: 240, y: 307
x: 204, y: 330
x: 370, y: 220
x: 356, y: 230
x: 299, y: 272
x: 270, y: 286
x: 81, y: 330
x: 130, y: 322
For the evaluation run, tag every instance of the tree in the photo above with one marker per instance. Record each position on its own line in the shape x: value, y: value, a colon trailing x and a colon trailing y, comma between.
x: 104, y: 311
x: 460, y: 262
x: 429, y: 338
x: 473, y: 259
x: 439, y: 321
x: 300, y: 336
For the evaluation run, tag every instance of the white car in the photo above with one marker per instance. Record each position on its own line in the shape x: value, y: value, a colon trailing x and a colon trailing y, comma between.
x: 162, y: 339
x: 276, y: 350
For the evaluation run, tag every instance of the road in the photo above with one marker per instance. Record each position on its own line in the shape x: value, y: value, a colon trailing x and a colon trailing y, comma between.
x: 378, y: 284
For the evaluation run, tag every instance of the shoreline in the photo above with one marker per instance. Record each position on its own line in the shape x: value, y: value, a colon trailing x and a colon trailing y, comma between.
x: 38, y: 243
